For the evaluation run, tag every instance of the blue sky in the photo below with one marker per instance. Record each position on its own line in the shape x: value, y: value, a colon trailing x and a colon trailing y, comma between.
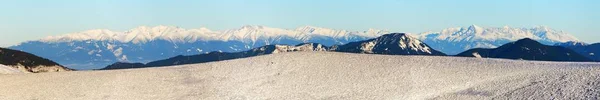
x: 22, y: 20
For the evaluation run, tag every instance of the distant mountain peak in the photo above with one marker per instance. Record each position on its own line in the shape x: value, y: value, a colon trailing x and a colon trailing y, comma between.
x: 473, y: 26
x: 571, y: 43
x: 405, y: 42
x: 475, y: 29
x: 394, y: 35
x: 322, y: 31
x: 393, y: 43
x: 526, y: 40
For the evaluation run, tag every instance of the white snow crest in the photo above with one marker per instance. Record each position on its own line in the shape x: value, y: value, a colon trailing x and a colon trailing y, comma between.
x: 475, y: 32
x: 248, y: 33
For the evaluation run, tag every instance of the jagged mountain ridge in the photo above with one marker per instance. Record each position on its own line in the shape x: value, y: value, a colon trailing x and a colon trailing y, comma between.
x: 455, y: 40
x: 29, y: 63
x: 571, y: 43
x: 527, y: 49
x: 248, y: 33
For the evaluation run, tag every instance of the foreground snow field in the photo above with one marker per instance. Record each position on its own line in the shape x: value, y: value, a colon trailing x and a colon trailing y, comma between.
x: 320, y: 75
x: 8, y: 70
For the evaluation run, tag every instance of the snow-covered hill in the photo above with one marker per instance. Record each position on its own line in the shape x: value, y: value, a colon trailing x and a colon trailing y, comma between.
x: 591, y: 51
x: 527, y: 49
x: 455, y: 40
x: 321, y: 75
x: 29, y: 63
x: 8, y: 70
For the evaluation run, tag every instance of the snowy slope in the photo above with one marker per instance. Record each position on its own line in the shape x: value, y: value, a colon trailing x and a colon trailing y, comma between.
x: 8, y: 70
x: 28, y: 62
x: 321, y: 75
x: 455, y: 40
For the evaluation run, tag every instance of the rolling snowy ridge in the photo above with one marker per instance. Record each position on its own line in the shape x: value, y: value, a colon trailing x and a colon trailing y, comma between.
x: 321, y: 75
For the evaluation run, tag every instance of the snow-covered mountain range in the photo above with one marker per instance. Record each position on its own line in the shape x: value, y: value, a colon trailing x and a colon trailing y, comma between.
x: 95, y: 49
x: 248, y: 34
x: 455, y: 40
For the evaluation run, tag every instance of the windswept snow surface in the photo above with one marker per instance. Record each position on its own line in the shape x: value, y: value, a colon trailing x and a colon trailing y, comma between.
x: 321, y: 75
x: 8, y: 70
